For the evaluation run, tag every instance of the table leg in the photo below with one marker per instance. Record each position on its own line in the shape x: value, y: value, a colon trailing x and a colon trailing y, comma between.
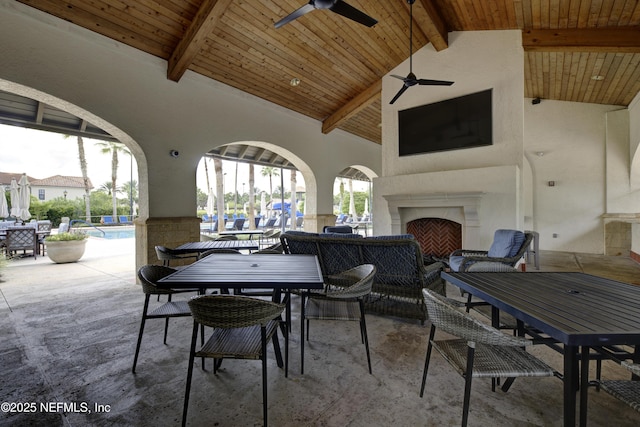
x: 584, y: 384
x: 636, y: 359
x: 495, y: 317
x: 570, y: 384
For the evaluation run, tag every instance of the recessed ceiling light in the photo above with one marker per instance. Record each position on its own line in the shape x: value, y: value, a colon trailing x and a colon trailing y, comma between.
x: 598, y: 78
x: 294, y: 82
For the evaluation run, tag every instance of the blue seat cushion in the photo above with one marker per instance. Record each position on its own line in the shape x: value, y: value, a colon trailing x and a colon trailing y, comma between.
x: 506, y: 243
x: 455, y: 261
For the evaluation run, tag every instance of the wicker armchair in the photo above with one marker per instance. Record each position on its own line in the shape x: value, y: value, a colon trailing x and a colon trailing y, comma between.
x: 242, y: 328
x: 628, y: 391
x: 149, y: 276
x: 480, y: 351
x: 508, y: 247
x: 341, y: 303
x: 166, y: 255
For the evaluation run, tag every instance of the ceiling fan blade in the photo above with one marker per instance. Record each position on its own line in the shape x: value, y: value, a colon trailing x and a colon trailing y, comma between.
x: 348, y: 11
x: 295, y: 15
x: 426, y: 82
x: 397, y: 76
x: 400, y: 92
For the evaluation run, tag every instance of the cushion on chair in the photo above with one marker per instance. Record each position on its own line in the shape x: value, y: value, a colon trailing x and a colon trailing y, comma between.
x: 455, y: 261
x: 506, y: 243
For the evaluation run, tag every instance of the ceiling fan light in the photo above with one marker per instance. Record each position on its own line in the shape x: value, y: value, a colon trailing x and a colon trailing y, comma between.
x: 295, y: 82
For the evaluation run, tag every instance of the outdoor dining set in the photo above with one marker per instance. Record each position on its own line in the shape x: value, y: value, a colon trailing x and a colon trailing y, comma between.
x: 584, y: 317
x: 22, y: 239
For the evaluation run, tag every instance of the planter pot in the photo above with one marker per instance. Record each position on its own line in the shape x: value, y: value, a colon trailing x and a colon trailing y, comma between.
x: 68, y: 251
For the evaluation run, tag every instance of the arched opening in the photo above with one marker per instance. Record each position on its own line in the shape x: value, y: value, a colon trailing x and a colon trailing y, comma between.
x: 353, y: 196
x: 40, y: 111
x: 283, y: 194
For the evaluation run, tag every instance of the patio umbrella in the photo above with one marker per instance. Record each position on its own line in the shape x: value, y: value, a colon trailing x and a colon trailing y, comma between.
x: 211, y: 207
x: 277, y: 206
x: 352, y: 202
x: 25, y: 198
x: 15, y: 198
x: 4, y: 208
x: 263, y: 203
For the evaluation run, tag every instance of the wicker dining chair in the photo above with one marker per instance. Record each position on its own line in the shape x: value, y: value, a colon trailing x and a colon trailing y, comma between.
x: 149, y: 276
x: 628, y: 391
x: 343, y: 302
x: 480, y: 351
x: 242, y: 328
x: 166, y: 255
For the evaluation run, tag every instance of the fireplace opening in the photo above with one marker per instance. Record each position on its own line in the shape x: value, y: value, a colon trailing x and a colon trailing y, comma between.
x: 437, y: 237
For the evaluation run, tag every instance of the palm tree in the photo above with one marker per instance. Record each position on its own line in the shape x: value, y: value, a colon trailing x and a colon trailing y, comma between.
x: 130, y: 188
x: 294, y: 213
x: 252, y: 201
x: 217, y: 165
x: 106, y: 187
x: 270, y: 172
x: 85, y: 177
x: 113, y: 148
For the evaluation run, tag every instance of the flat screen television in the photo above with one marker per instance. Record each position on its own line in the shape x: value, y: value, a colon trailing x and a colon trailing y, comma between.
x: 453, y: 124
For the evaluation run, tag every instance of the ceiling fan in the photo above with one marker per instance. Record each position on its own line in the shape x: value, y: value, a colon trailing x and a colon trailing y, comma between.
x: 411, y: 79
x: 337, y: 6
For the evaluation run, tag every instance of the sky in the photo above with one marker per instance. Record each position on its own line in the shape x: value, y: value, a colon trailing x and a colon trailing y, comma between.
x: 42, y: 154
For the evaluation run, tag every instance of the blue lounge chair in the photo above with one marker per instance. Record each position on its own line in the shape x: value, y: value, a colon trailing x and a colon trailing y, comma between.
x: 107, y: 220
x: 124, y: 220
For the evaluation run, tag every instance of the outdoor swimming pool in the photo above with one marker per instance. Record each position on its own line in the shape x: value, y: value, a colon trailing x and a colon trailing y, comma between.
x: 120, y: 233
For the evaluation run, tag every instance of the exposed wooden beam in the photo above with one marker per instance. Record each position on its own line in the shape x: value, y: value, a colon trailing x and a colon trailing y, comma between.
x: 624, y: 40
x: 430, y: 20
x: 189, y: 46
x: 39, y: 113
x: 353, y: 107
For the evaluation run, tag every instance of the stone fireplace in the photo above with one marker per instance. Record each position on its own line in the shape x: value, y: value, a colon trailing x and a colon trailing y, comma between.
x: 455, y: 214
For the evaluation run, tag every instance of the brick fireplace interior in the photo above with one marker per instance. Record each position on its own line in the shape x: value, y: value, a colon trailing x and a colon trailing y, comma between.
x: 437, y: 237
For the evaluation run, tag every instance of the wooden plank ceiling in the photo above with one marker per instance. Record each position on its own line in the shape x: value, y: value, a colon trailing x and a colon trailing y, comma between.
x: 575, y: 50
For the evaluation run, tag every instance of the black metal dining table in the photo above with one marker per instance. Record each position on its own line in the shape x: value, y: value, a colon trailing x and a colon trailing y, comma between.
x: 279, y: 272
x: 206, y: 245
x: 272, y: 271
x: 578, y: 310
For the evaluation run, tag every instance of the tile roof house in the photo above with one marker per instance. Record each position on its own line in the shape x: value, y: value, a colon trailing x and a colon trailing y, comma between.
x: 69, y: 187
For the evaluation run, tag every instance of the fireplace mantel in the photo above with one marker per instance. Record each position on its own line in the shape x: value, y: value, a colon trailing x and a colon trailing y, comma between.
x: 468, y: 202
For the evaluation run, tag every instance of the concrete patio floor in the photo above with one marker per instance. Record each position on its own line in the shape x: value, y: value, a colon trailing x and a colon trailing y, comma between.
x: 68, y: 333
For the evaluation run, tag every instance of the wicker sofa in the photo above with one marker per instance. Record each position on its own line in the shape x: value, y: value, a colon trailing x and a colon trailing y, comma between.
x: 401, y: 273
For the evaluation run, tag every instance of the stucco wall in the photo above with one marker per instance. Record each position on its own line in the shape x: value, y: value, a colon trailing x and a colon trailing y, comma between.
x: 127, y: 93
x: 475, y: 61
x: 572, y: 139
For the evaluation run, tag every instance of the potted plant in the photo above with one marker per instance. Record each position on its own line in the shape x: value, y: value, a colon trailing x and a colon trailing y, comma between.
x: 65, y: 247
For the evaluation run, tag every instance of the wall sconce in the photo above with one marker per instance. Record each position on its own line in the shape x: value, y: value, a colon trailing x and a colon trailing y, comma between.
x: 551, y: 183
